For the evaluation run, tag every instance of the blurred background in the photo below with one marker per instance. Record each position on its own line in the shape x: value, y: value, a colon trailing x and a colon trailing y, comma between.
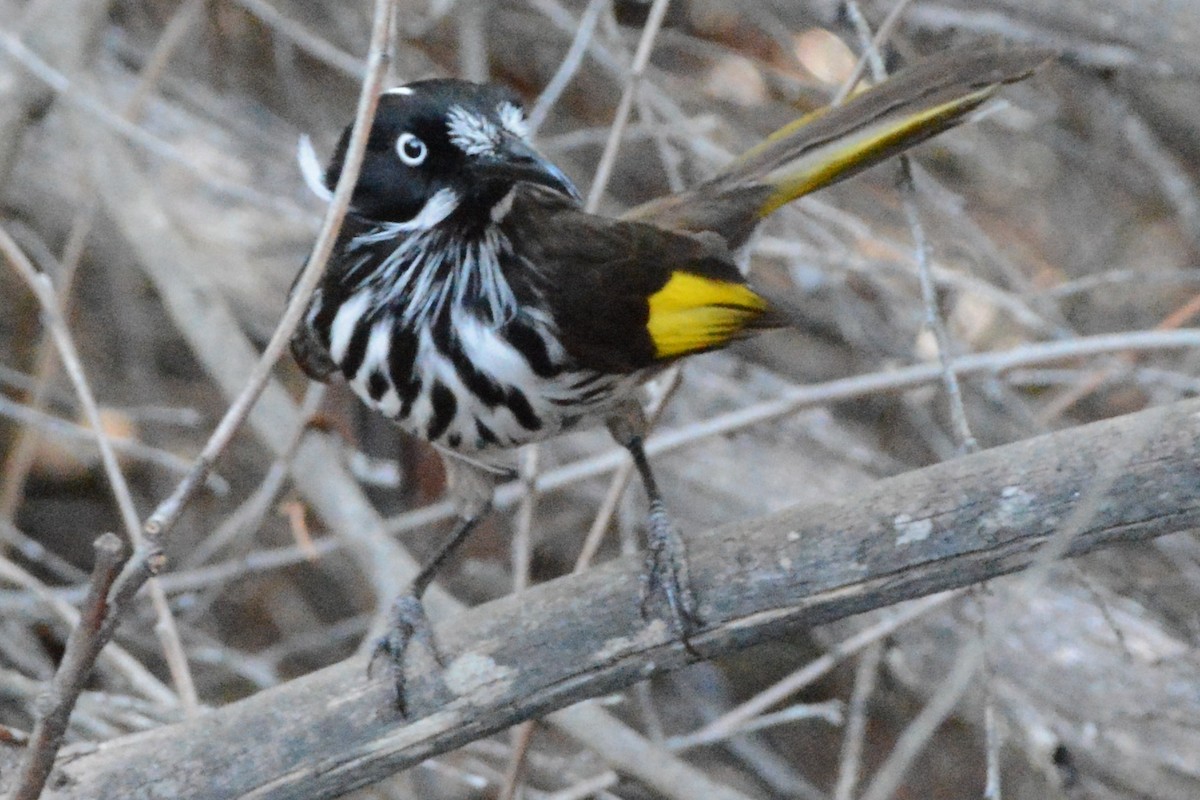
x: 147, y: 165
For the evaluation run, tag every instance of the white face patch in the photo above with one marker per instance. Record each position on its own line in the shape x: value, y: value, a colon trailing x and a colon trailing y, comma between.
x: 513, y: 120
x: 310, y: 169
x: 473, y: 134
x: 503, y: 206
x: 436, y: 209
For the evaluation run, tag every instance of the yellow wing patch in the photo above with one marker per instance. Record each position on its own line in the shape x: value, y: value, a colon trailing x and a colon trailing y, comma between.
x: 692, y: 313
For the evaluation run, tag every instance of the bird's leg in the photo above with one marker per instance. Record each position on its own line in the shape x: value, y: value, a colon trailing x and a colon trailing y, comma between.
x: 409, y: 631
x: 666, y: 574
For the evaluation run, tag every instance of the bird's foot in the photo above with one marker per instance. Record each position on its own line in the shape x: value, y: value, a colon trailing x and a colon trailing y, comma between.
x: 666, y: 579
x: 410, y: 657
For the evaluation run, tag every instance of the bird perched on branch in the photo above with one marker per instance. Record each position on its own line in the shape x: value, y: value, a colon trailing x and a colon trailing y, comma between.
x: 472, y: 300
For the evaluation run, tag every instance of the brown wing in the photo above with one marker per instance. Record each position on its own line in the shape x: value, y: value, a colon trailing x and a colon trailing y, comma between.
x: 627, y: 295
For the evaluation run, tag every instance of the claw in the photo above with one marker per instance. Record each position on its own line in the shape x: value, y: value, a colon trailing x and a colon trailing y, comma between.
x: 410, y: 655
x: 408, y: 647
x: 666, y: 561
x: 666, y: 576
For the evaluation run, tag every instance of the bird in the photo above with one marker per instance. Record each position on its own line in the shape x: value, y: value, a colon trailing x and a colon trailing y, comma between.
x: 473, y: 301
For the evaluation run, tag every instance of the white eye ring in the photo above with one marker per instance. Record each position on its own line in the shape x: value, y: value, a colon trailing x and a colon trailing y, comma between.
x: 412, y: 151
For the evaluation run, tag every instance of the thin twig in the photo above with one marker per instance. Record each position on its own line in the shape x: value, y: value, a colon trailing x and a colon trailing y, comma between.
x: 991, y: 734
x: 1164, y: 166
x: 249, y: 515
x: 471, y: 22
x: 666, y: 105
x: 668, y: 155
x: 114, y: 657
x: 854, y: 737
x: 43, y: 423
x: 632, y: 84
x: 165, y: 516
x: 522, y: 552
x: 736, y: 718
x: 23, y: 452
x: 35, y: 552
x: 933, y: 318
x: 307, y: 41
x: 1075, y: 393
x: 569, y: 65
x: 83, y: 645
x: 522, y: 541
x: 914, y: 738
x: 586, y: 788
x: 522, y: 738
x: 210, y: 577
x: 873, y: 46
x: 829, y: 711
x: 42, y: 289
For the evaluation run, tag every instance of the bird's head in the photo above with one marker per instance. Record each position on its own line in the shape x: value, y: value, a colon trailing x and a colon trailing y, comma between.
x: 441, y: 147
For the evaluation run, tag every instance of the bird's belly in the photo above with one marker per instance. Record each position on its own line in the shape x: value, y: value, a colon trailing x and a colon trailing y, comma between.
x: 462, y: 422
x: 470, y: 388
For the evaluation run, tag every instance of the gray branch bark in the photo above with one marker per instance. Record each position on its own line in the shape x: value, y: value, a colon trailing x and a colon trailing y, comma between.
x: 582, y: 636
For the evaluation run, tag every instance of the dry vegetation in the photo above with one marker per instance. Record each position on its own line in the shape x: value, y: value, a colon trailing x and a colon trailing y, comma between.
x: 147, y: 168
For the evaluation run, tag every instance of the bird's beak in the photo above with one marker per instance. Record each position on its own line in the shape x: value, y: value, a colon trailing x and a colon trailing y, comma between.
x: 514, y: 160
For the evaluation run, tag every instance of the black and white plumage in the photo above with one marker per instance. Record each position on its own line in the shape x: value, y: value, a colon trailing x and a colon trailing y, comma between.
x: 430, y: 333
x: 470, y: 299
x: 428, y: 309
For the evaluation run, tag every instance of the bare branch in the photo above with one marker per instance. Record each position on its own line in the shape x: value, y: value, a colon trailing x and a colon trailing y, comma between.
x: 925, y: 531
x: 850, y: 762
x: 40, y: 285
x: 167, y: 513
x: 83, y: 645
x: 569, y: 66
x: 633, y: 84
x: 117, y: 659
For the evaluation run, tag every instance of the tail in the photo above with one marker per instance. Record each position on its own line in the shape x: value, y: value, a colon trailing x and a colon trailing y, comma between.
x: 834, y: 143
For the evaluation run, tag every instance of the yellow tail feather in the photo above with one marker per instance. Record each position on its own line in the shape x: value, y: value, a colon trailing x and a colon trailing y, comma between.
x: 829, y: 162
x: 831, y: 144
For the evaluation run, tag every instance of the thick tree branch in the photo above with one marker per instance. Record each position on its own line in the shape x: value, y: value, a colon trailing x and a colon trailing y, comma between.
x: 582, y: 636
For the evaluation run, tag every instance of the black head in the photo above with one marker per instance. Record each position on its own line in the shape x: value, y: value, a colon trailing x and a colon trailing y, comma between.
x: 444, y: 146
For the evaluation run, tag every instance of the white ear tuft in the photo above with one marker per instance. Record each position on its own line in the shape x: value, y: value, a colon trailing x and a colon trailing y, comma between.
x: 513, y: 119
x: 310, y: 169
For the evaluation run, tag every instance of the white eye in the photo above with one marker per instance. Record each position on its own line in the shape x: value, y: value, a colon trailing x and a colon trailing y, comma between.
x: 412, y: 151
